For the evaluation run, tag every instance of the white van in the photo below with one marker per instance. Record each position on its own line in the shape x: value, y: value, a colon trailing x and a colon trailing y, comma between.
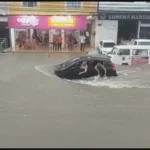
x: 144, y: 42
x: 130, y: 54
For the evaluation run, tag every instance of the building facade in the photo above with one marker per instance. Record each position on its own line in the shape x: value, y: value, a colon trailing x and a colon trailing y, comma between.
x: 4, y: 31
x: 122, y: 20
x: 46, y: 20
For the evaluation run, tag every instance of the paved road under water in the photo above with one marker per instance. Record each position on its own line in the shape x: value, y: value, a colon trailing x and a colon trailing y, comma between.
x: 38, y: 109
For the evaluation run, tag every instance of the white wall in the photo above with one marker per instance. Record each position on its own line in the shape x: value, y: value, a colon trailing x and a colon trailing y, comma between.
x: 3, y: 19
x: 106, y: 30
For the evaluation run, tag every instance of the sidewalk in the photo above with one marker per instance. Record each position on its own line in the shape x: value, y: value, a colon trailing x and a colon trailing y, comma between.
x: 50, y: 51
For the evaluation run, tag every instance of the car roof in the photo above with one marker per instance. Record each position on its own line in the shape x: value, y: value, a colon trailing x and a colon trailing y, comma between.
x: 132, y: 46
x: 95, y: 57
x: 142, y: 40
x: 108, y: 41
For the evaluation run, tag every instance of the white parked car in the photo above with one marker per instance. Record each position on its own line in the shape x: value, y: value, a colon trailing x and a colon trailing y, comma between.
x: 106, y: 46
x: 144, y: 42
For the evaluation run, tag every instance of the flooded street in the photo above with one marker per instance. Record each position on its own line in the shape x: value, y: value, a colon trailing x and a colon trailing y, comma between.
x: 38, y: 109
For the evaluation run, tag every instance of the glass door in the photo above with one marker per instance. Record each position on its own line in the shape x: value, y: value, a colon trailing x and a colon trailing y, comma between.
x: 145, y: 32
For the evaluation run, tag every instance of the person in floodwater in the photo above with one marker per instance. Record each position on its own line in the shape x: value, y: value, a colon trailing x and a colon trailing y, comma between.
x: 84, y: 67
x: 101, y: 70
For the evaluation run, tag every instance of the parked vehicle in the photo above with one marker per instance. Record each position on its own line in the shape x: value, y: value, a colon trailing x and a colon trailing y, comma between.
x: 106, y: 46
x: 72, y: 68
x: 129, y: 54
x: 144, y: 42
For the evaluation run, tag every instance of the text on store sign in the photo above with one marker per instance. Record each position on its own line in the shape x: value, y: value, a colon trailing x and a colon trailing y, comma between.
x: 28, y: 21
x: 60, y: 21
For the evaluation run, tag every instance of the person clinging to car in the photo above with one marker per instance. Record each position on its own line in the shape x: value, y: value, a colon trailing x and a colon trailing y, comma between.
x: 101, y: 70
x: 84, y: 67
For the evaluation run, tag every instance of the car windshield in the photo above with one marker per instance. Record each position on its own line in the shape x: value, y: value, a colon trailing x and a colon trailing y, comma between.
x: 110, y: 44
x: 143, y: 43
x: 70, y: 62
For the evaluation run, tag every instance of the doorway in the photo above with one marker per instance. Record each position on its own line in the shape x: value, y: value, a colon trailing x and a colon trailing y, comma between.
x: 145, y: 32
x: 4, y: 33
x: 127, y: 30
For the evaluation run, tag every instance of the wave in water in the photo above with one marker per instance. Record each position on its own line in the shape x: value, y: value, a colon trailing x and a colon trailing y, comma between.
x: 124, y: 79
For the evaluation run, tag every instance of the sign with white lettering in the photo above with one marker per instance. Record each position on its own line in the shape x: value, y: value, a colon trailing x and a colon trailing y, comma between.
x: 47, y: 22
x: 104, y: 16
x: 28, y: 21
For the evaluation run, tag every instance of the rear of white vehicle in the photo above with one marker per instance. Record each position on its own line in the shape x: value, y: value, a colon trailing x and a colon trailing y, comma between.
x: 130, y: 55
x: 106, y: 46
x: 142, y: 42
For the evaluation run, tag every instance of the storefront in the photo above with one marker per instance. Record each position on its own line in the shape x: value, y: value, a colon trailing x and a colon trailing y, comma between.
x: 39, y: 31
x: 122, y: 20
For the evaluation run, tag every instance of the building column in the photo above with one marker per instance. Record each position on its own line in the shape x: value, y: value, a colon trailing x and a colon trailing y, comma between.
x: 50, y: 38
x: 12, y: 38
x: 51, y: 35
x: 92, y: 42
x: 139, y: 26
x: 31, y: 33
x: 63, y: 37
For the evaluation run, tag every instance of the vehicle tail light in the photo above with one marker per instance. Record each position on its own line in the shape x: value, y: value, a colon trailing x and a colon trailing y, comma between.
x: 113, y: 67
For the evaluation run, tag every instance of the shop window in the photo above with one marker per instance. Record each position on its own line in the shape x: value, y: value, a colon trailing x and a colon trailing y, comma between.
x: 29, y: 4
x: 73, y: 4
x: 145, y: 32
x: 27, y: 39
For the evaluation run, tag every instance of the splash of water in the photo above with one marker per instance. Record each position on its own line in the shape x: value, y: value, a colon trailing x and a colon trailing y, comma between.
x: 122, y: 81
x: 110, y: 83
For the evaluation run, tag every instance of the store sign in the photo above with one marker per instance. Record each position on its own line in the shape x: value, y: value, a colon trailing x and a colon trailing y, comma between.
x: 61, y: 21
x: 47, y: 22
x: 124, y: 16
x: 28, y: 21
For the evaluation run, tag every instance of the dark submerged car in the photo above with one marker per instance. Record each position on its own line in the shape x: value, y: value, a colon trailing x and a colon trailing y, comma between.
x: 71, y: 68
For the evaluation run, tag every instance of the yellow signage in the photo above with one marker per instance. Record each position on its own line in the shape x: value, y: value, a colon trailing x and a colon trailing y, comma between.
x: 61, y: 21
